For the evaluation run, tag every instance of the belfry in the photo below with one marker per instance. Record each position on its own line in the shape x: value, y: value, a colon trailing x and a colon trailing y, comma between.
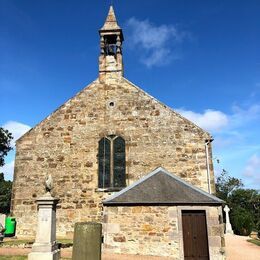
x: 111, y: 40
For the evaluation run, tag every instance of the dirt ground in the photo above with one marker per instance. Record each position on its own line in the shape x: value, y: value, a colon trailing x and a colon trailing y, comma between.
x: 66, y: 253
x: 237, y: 248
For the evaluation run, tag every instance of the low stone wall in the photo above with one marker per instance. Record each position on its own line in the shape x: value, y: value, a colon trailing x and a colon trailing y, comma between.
x: 156, y: 230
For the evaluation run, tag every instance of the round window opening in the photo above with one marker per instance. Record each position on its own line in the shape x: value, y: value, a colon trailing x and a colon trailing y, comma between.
x: 111, y: 104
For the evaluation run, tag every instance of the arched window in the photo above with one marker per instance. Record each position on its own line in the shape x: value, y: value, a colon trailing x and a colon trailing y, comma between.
x: 111, y: 162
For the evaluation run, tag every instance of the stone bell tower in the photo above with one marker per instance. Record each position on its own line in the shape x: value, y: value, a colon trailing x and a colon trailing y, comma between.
x: 111, y: 39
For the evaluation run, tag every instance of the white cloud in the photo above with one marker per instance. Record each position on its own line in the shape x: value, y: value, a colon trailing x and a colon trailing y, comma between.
x: 252, y: 169
x: 8, y: 170
x: 17, y: 129
x: 210, y: 120
x: 157, y: 56
x: 240, y: 116
x: 220, y: 122
x: 155, y: 42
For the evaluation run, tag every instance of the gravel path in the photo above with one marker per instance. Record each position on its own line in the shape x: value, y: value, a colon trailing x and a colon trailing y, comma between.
x: 66, y: 253
x: 15, y: 251
x: 237, y: 248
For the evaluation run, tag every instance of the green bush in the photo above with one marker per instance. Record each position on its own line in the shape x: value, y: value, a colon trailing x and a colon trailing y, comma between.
x: 258, y: 228
x: 242, y: 221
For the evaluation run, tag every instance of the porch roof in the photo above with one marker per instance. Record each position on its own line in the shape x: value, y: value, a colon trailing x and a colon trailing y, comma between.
x: 160, y: 187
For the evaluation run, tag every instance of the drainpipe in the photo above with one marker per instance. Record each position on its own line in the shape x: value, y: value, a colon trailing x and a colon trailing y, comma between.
x: 207, y: 142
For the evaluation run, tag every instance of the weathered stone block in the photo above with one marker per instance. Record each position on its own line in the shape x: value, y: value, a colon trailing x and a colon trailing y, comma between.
x: 119, y: 238
x: 215, y: 241
x: 215, y: 231
x: 112, y: 228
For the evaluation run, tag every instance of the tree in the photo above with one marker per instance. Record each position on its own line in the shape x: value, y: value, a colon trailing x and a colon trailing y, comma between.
x: 226, y: 184
x: 5, y: 144
x: 242, y: 221
x: 248, y: 199
x: 246, y: 213
x: 244, y: 203
x: 5, y: 194
x: 5, y: 186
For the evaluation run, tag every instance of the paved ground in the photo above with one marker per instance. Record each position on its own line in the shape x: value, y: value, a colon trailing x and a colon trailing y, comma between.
x: 237, y: 248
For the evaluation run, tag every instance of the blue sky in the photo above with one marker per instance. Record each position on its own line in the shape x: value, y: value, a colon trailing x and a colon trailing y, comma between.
x: 201, y: 58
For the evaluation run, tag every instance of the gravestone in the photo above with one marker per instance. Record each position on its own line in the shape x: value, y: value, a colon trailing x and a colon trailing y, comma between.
x: 228, y: 224
x: 45, y: 246
x: 87, y: 241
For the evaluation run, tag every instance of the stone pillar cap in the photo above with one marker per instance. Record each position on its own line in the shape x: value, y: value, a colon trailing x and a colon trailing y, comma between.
x: 47, y: 199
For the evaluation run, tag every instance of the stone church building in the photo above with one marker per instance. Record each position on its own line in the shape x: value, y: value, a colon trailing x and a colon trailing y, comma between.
x: 119, y: 156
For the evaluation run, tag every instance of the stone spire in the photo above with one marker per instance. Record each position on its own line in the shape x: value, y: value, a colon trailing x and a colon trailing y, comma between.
x: 111, y: 39
x: 111, y: 22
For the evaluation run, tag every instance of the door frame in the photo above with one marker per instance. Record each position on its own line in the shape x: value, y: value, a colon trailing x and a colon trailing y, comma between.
x: 191, y: 208
x: 202, y: 215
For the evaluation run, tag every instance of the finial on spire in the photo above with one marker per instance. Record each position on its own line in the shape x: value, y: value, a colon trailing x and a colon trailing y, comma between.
x: 111, y: 22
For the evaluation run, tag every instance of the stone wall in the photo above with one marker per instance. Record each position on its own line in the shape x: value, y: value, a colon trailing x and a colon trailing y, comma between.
x: 65, y: 145
x: 157, y: 230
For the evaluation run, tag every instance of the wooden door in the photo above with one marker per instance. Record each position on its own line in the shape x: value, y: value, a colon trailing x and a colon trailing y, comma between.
x: 195, y: 236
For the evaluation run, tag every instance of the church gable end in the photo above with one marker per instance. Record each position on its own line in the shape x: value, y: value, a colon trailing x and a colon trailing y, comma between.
x: 105, y: 138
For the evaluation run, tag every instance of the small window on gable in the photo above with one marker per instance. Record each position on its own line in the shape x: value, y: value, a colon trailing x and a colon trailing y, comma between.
x: 111, y: 163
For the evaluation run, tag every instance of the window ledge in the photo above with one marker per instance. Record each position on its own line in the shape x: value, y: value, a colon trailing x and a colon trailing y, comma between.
x: 111, y: 189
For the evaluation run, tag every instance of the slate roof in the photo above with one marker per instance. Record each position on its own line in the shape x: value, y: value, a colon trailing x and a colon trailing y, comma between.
x: 162, y: 188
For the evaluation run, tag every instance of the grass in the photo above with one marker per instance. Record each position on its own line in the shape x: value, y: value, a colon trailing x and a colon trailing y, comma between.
x: 65, y: 241
x: 30, y: 241
x: 254, y: 241
x: 20, y: 257
x: 17, y: 257
x: 17, y: 242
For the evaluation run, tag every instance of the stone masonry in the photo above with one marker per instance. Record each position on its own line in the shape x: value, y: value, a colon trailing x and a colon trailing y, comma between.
x: 156, y: 230
x: 66, y: 144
